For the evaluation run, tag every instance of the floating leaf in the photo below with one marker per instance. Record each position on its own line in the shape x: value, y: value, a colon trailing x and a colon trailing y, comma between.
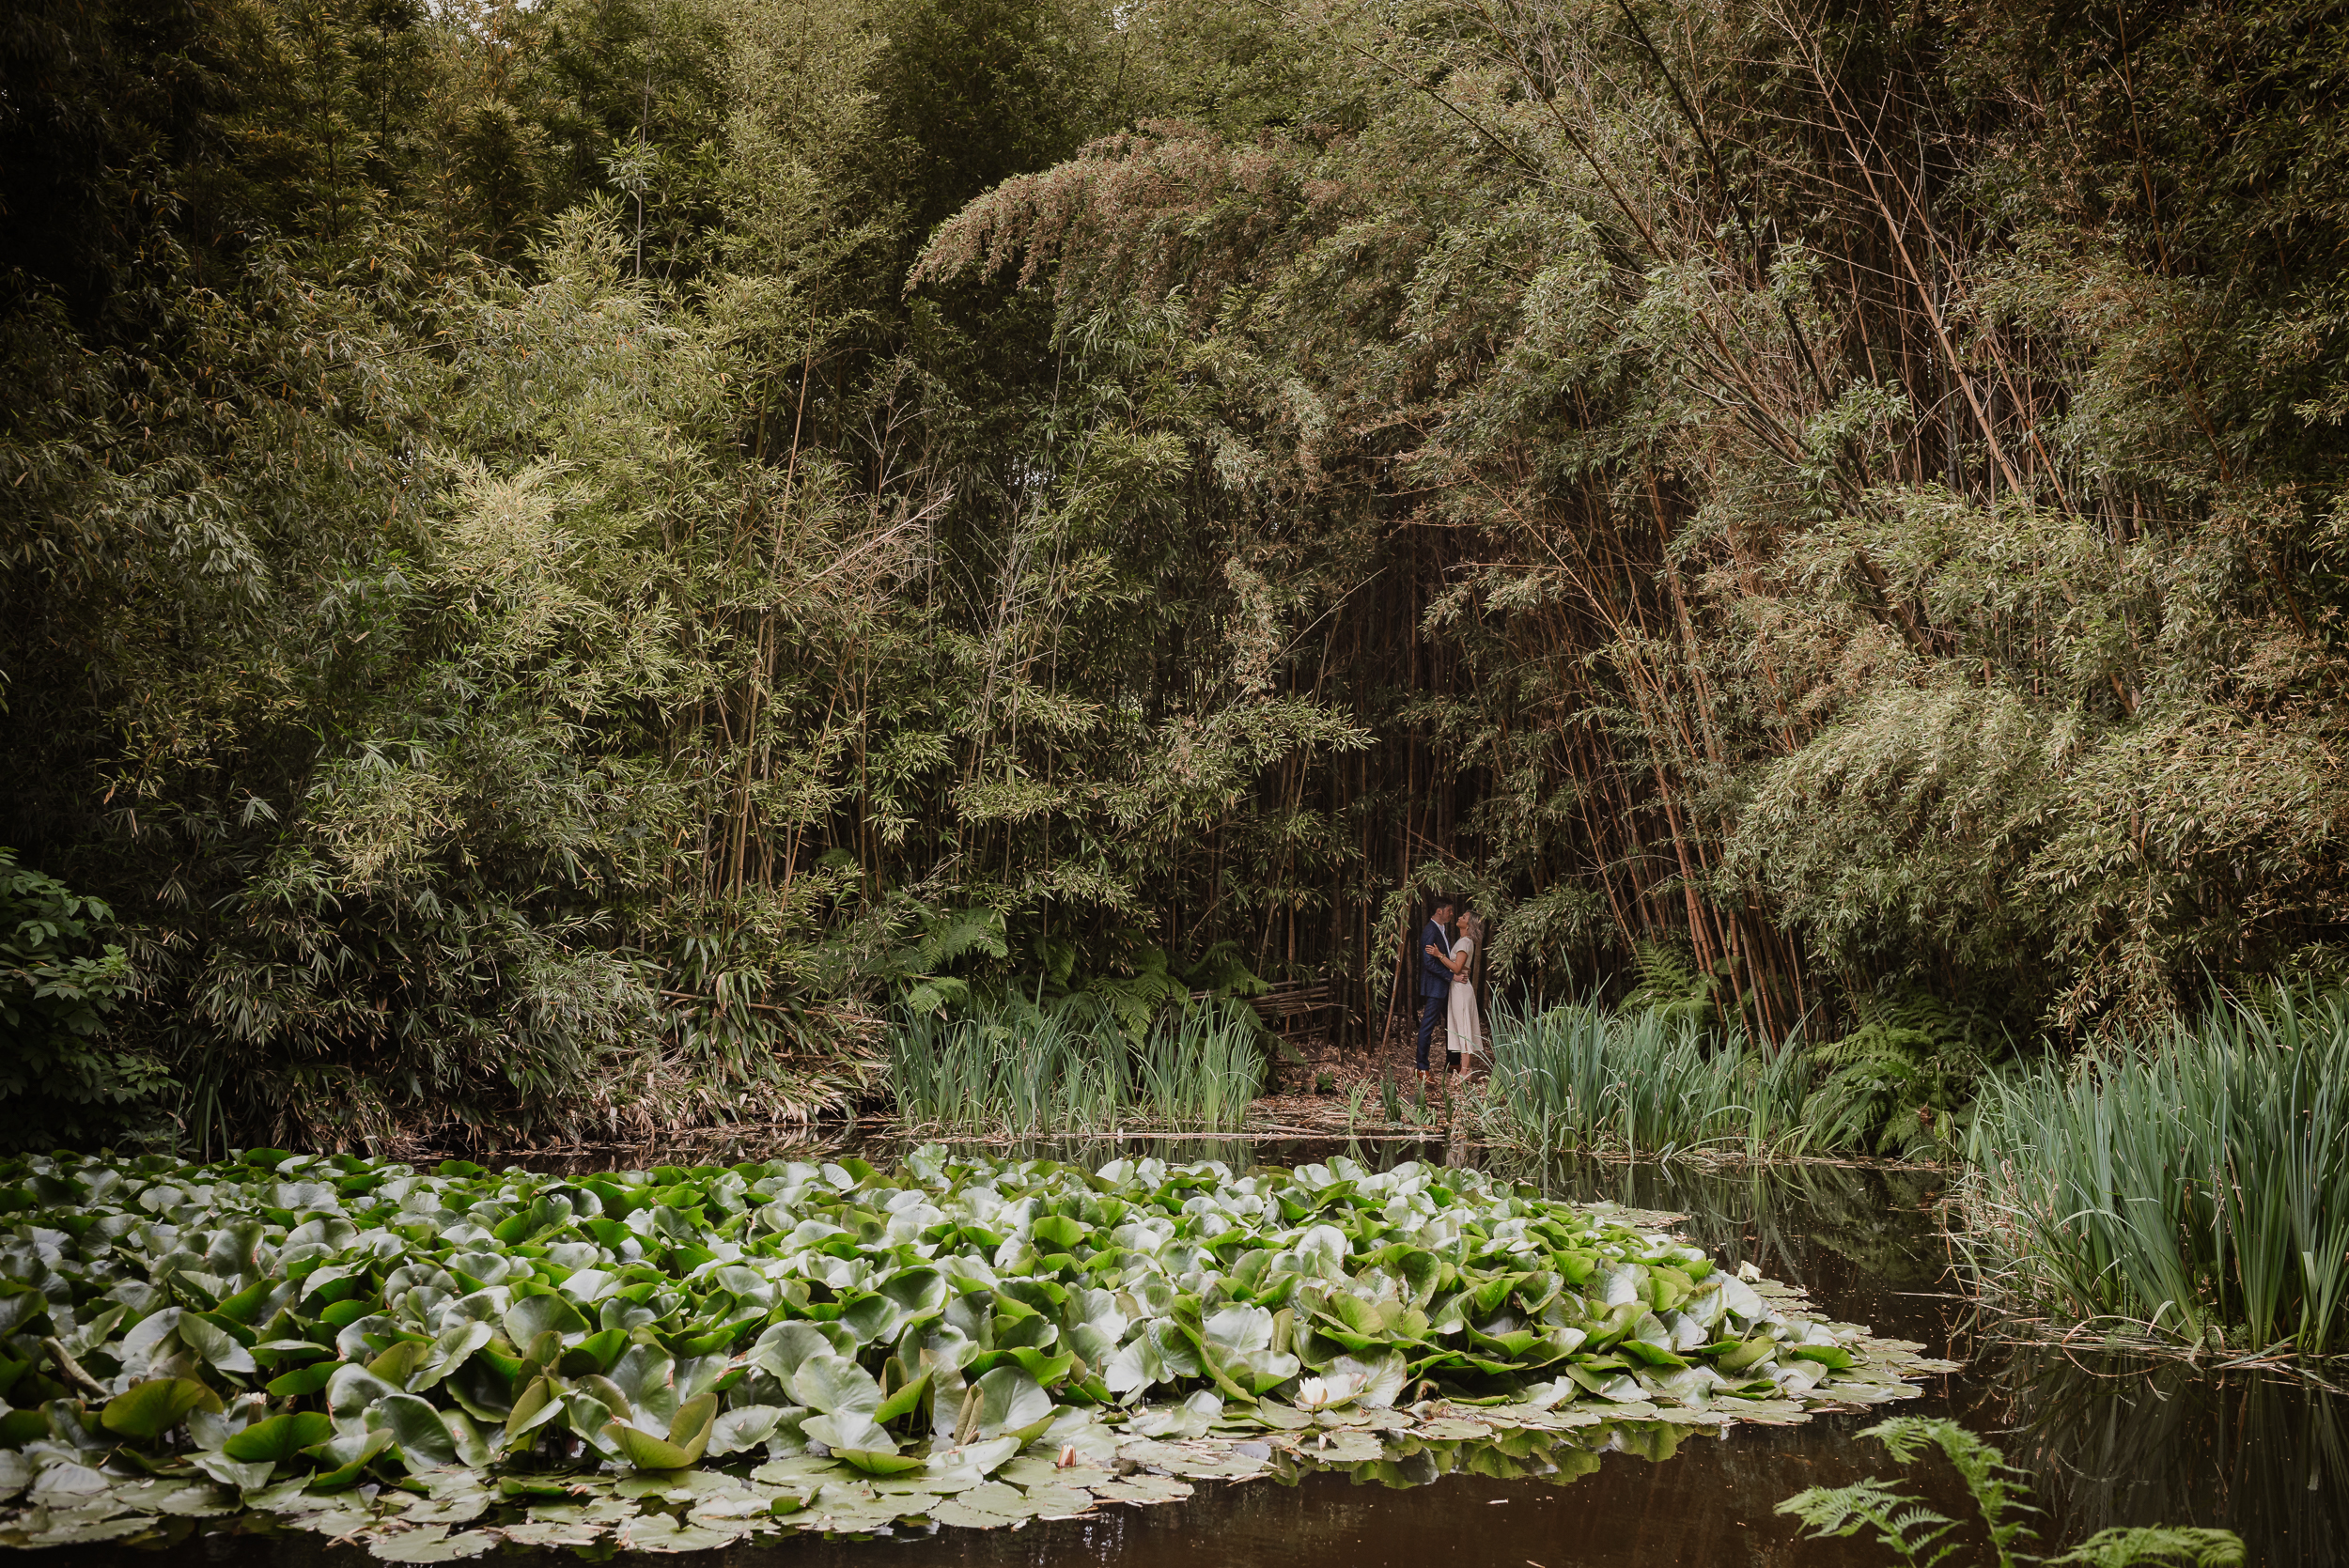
x: 745, y: 1426
x: 146, y: 1412
x: 61, y: 1485
x: 243, y: 1474
x: 191, y: 1501
x: 1012, y: 1402
x: 547, y: 1533
x: 849, y: 1428
x: 964, y: 1515
x: 279, y: 1437
x: 215, y: 1344
x: 1263, y: 1317
x: 882, y: 1461
x: 422, y: 1437
x: 69, y: 1530
x: 1144, y: 1489
x: 686, y: 1437
x: 663, y: 1533
x: 431, y: 1544
x: 534, y: 1315
x: 831, y: 1384
x: 1059, y: 1502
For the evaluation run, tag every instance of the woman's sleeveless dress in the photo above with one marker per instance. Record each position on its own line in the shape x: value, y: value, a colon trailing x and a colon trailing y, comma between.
x: 1461, y: 1025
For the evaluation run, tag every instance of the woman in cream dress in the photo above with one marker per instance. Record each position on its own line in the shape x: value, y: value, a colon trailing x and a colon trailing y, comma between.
x: 1463, y: 1029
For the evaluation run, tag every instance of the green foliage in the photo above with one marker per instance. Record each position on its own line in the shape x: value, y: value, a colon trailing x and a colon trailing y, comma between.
x: 67, y: 1076
x: 867, y: 1346
x: 1901, y: 1081
x: 2190, y: 1184
x: 1918, y: 1535
x: 1671, y: 988
x: 1027, y: 1065
x: 545, y: 551
x: 945, y: 940
x: 1956, y: 605
x: 1576, y: 1075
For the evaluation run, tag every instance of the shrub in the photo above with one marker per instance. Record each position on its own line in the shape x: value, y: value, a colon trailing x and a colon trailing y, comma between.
x: 66, y: 1078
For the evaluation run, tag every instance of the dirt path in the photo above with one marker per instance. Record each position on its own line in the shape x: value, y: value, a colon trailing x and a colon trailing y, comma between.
x: 1318, y: 1093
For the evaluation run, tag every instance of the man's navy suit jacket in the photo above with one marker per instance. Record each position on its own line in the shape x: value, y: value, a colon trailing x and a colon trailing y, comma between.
x: 1434, y: 976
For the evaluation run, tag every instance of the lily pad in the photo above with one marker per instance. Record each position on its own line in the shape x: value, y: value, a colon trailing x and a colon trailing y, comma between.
x: 336, y: 1523
x: 1144, y: 1489
x: 1059, y: 1502
x: 658, y: 1532
x: 1342, y: 1447
x: 146, y: 1412
x: 549, y: 1534
x: 964, y: 1515
x: 189, y: 1499
x: 431, y: 1544
x: 280, y: 1436
x: 66, y: 1531
x: 430, y: 1331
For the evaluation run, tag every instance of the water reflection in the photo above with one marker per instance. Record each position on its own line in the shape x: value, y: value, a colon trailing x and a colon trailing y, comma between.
x: 2119, y: 1440
x: 1792, y: 1223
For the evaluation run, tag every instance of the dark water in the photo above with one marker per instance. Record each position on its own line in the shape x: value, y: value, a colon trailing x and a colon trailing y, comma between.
x: 2105, y: 1439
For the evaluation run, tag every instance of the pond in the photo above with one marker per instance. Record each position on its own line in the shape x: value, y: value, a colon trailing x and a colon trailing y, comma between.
x: 2109, y: 1439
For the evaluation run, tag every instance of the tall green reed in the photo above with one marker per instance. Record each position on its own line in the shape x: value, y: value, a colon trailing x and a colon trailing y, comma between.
x: 2192, y: 1181
x: 1201, y: 1065
x: 1012, y: 1066
x: 1578, y: 1077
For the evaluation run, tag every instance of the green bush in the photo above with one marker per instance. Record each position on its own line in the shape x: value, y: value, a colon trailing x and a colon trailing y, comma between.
x: 65, y: 1078
x: 1899, y: 1083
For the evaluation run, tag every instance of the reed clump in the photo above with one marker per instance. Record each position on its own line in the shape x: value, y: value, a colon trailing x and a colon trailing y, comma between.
x: 2189, y: 1183
x: 1577, y: 1076
x: 1010, y: 1065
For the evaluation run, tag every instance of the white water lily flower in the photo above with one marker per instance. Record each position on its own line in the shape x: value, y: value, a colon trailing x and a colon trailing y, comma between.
x: 1322, y: 1393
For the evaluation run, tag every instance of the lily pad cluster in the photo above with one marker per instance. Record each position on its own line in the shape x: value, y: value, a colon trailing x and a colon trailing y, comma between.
x: 677, y: 1358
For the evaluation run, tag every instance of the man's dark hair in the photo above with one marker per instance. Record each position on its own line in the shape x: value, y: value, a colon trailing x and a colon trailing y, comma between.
x: 1442, y: 901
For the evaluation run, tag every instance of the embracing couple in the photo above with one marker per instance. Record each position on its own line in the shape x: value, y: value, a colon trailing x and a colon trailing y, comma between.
x: 1445, y: 988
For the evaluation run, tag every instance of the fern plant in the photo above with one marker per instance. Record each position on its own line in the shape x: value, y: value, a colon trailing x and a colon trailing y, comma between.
x: 946, y: 936
x: 1671, y: 986
x: 1901, y: 1081
x: 1921, y: 1536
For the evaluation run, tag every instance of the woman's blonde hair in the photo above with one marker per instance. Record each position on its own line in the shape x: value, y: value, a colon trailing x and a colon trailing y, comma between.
x: 1472, y: 925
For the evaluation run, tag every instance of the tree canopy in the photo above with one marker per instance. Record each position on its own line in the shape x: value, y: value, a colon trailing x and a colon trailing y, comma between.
x: 557, y: 560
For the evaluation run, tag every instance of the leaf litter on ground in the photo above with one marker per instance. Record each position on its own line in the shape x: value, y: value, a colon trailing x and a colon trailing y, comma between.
x: 680, y: 1358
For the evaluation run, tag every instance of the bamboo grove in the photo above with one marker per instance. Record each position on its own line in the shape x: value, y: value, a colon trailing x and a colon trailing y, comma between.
x: 560, y: 562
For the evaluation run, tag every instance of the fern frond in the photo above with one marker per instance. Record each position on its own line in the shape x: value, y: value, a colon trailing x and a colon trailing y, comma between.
x: 2155, y: 1547
x: 1669, y: 985
x: 1901, y: 1520
x: 1137, y: 999
x: 950, y: 936
x: 1993, y: 1484
x: 1224, y: 970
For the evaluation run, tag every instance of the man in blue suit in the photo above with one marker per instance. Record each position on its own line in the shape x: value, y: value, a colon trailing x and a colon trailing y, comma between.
x: 1435, y: 978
